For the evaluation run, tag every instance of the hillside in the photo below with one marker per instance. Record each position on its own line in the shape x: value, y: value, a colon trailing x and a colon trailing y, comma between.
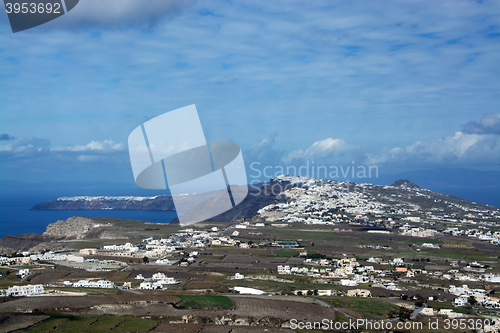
x: 402, y: 196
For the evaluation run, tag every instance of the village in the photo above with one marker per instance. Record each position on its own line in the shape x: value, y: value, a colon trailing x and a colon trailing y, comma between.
x: 319, y: 243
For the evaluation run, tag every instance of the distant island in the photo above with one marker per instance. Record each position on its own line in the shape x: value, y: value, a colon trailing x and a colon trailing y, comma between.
x: 160, y: 202
x: 401, y: 192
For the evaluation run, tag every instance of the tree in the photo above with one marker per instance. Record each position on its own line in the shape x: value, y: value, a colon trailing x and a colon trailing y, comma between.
x: 420, y: 300
x: 145, y: 259
x: 392, y: 314
x: 472, y: 300
x: 404, y: 313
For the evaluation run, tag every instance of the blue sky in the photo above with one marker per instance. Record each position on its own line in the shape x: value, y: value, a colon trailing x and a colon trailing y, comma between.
x: 403, y: 85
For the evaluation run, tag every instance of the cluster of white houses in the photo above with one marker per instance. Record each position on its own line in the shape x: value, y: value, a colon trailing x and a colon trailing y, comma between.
x: 481, y: 296
x: 350, y: 273
x: 316, y: 201
x: 157, y: 281
x: 312, y: 201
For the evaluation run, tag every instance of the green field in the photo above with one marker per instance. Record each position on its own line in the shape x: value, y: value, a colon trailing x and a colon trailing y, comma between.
x: 10, y: 280
x: 442, y: 305
x: 454, y: 242
x: 368, y: 308
x: 107, y: 323
x: 48, y: 325
x: 205, y: 301
x: 136, y: 325
x: 65, y: 323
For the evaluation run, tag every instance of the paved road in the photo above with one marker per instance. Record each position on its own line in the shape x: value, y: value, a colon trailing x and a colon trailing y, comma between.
x: 132, y: 291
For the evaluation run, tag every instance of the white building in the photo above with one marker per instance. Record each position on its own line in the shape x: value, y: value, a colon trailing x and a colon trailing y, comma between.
x: 397, y: 262
x: 461, y: 301
x: 29, y: 290
x: 23, y: 273
x: 150, y: 285
x: 129, y: 247
x: 284, y: 269
x: 494, y: 278
x: 162, y: 262
x: 348, y: 283
x: 163, y: 279
x: 94, y: 284
x: 239, y: 276
x: 427, y: 312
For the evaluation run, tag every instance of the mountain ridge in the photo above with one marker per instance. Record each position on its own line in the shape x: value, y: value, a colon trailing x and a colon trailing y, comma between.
x: 260, y: 196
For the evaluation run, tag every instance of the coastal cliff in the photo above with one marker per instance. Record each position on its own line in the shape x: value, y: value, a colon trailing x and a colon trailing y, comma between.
x: 76, y: 227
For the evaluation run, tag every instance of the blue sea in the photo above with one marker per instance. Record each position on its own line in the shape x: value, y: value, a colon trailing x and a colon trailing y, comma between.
x: 17, y: 218
x: 483, y: 195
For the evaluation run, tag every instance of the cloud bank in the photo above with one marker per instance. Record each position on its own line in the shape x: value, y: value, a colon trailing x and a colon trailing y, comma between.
x: 477, y: 145
x: 484, y: 124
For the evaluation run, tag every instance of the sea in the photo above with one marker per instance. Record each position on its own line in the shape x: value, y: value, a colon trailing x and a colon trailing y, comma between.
x: 16, y: 216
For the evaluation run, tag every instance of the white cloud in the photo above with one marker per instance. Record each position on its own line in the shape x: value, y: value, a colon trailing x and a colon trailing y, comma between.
x: 30, y: 159
x: 263, y: 151
x: 88, y: 158
x: 458, y: 150
x: 379, y: 75
x: 484, y: 124
x: 106, y: 145
x: 25, y: 148
x: 320, y: 149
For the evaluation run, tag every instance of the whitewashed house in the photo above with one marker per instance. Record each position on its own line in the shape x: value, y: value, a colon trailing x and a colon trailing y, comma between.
x: 29, y: 290
x: 23, y: 273
x: 348, y: 283
x: 150, y: 285
x: 461, y: 301
x: 94, y: 284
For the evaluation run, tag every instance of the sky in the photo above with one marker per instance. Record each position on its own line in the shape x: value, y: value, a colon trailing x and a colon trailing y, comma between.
x: 401, y: 85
